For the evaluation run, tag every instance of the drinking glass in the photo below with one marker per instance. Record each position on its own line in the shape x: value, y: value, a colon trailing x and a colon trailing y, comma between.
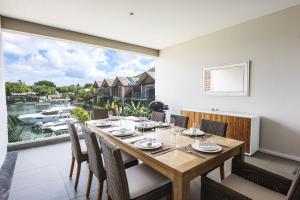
x: 172, y: 123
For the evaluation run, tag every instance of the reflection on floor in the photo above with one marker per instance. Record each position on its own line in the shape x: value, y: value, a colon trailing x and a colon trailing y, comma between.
x: 42, y: 173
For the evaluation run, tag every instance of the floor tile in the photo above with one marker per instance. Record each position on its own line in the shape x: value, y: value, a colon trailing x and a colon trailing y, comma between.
x: 82, y: 184
x: 47, y: 190
x: 29, y: 178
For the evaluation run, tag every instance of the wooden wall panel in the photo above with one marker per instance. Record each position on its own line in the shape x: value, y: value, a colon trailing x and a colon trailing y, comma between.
x: 239, y: 128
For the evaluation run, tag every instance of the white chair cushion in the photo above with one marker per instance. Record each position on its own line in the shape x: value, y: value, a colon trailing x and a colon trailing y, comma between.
x: 250, y: 189
x: 142, y: 179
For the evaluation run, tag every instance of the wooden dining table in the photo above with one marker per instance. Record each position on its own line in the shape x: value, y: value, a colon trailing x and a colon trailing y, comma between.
x: 179, y: 164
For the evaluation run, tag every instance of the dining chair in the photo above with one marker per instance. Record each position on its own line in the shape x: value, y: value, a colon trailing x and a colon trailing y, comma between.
x: 250, y: 182
x: 77, y: 153
x: 100, y: 113
x: 181, y: 121
x: 158, y: 116
x: 96, y: 166
x: 139, y: 182
x: 215, y: 128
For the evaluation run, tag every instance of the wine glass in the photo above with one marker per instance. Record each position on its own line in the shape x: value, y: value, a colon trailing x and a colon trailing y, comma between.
x: 110, y: 114
x: 172, y: 122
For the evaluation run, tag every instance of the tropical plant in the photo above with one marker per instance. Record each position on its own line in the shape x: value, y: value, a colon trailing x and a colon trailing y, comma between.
x: 138, y: 109
x: 82, y: 114
x: 116, y: 106
x: 99, y: 103
x: 85, y: 95
x: 14, y: 131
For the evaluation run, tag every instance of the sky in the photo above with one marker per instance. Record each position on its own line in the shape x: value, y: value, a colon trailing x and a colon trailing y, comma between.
x: 30, y: 59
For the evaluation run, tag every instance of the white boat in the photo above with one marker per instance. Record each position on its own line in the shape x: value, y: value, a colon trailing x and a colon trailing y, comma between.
x: 53, y: 113
x: 59, y: 108
x: 42, y: 117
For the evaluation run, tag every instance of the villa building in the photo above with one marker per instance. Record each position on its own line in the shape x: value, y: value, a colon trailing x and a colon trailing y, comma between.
x: 126, y: 89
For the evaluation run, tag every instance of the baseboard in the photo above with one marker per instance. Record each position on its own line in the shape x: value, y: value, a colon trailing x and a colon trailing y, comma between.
x: 296, y: 158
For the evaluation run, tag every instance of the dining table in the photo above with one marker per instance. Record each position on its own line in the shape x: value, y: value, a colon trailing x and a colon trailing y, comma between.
x: 175, y: 159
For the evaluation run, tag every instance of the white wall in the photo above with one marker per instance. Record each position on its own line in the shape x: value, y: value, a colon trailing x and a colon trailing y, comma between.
x: 3, y: 128
x: 272, y: 44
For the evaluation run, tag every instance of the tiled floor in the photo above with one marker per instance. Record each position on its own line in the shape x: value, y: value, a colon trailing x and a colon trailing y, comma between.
x: 42, y: 173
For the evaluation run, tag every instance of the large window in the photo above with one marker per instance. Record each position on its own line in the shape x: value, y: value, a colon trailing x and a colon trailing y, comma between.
x: 50, y: 82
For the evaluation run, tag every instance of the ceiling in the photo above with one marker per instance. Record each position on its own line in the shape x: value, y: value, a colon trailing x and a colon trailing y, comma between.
x: 156, y: 23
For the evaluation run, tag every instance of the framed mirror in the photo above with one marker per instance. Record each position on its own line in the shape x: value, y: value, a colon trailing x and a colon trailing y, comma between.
x: 227, y: 80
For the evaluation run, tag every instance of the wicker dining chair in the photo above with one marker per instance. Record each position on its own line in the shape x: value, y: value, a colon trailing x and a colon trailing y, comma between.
x: 101, y: 113
x: 139, y: 182
x: 158, y: 116
x: 96, y: 162
x: 181, y: 121
x: 77, y: 154
x: 250, y: 182
x: 215, y: 128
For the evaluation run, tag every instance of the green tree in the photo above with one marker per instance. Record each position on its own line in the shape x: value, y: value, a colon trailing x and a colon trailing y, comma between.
x: 44, y: 82
x: 85, y: 95
x: 16, y: 87
x: 63, y: 89
x: 43, y: 90
x: 88, y: 85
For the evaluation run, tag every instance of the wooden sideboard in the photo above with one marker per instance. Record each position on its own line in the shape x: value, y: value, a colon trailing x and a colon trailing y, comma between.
x: 243, y: 127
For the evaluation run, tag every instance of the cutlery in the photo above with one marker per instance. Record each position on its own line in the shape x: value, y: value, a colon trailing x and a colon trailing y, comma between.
x: 128, y: 136
x: 132, y: 142
x: 192, y: 152
x: 161, y: 150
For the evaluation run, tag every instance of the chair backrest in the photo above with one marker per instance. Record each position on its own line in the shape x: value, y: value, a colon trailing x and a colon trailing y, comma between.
x: 117, y: 184
x: 100, y: 113
x: 181, y: 121
x: 158, y: 116
x: 75, y: 144
x: 294, y: 192
x: 213, y: 127
x: 95, y: 158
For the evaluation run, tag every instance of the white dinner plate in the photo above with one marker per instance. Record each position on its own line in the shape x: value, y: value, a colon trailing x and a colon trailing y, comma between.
x: 148, y: 144
x: 102, y: 124
x: 122, y: 133
x: 192, y: 132
x: 161, y: 124
x: 207, y: 147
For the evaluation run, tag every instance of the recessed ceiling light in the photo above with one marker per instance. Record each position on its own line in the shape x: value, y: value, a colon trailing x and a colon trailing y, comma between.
x: 131, y: 13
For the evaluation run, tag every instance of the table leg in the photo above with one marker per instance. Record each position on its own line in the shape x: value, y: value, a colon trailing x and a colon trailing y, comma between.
x: 181, y: 188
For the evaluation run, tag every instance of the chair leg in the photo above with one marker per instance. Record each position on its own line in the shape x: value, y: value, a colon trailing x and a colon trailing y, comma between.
x: 72, y: 166
x: 88, y: 189
x: 100, y: 190
x: 77, y: 175
x: 222, y: 171
x: 107, y: 196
